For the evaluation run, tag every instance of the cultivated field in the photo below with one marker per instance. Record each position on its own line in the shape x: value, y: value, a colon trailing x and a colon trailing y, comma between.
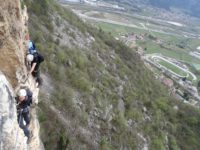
x: 169, y: 38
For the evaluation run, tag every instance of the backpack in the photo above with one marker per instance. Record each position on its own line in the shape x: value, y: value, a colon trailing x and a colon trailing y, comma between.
x: 31, y: 47
x: 40, y: 57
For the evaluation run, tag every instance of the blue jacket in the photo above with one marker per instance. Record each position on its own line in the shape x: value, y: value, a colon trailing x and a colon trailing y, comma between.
x: 31, y: 47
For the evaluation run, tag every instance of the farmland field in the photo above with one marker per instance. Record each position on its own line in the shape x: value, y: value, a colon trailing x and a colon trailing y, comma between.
x: 173, y: 68
x: 168, y: 39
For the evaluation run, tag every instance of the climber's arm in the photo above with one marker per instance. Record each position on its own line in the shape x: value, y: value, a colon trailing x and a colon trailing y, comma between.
x: 32, y: 68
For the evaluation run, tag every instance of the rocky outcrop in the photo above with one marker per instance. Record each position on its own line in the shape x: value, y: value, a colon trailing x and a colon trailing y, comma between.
x: 11, y: 136
x: 13, y: 30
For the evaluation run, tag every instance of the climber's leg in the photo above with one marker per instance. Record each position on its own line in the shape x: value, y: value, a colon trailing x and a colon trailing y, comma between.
x: 22, y: 126
x: 26, y: 117
x: 26, y: 131
x: 38, y: 79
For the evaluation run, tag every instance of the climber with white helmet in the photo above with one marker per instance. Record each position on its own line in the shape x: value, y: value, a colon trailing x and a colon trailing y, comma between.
x: 24, y: 100
x: 29, y: 57
x: 34, y: 60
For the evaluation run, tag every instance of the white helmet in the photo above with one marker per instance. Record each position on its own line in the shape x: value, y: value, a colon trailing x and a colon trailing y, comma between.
x: 29, y: 57
x: 22, y: 92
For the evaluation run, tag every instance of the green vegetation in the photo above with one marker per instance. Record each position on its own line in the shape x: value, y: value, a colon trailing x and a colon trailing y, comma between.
x: 172, y: 46
x: 173, y: 52
x: 173, y: 68
x: 117, y: 30
x: 86, y: 81
x: 196, y: 66
x: 198, y: 86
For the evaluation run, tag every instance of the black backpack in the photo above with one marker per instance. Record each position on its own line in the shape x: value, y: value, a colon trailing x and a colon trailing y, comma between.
x: 40, y: 57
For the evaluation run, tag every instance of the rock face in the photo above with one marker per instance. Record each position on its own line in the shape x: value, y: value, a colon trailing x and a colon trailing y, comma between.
x: 13, y: 31
x: 11, y: 136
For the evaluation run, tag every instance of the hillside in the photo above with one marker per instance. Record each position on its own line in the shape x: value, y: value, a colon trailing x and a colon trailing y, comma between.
x: 97, y: 93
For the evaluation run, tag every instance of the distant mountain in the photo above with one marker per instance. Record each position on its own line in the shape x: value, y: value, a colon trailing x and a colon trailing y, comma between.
x: 192, y: 7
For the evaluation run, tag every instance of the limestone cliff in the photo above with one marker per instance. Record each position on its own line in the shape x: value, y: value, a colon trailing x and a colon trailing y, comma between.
x: 11, y: 136
x: 13, y: 30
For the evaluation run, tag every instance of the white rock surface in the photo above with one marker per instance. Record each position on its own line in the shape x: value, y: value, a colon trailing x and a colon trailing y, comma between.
x: 11, y: 136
